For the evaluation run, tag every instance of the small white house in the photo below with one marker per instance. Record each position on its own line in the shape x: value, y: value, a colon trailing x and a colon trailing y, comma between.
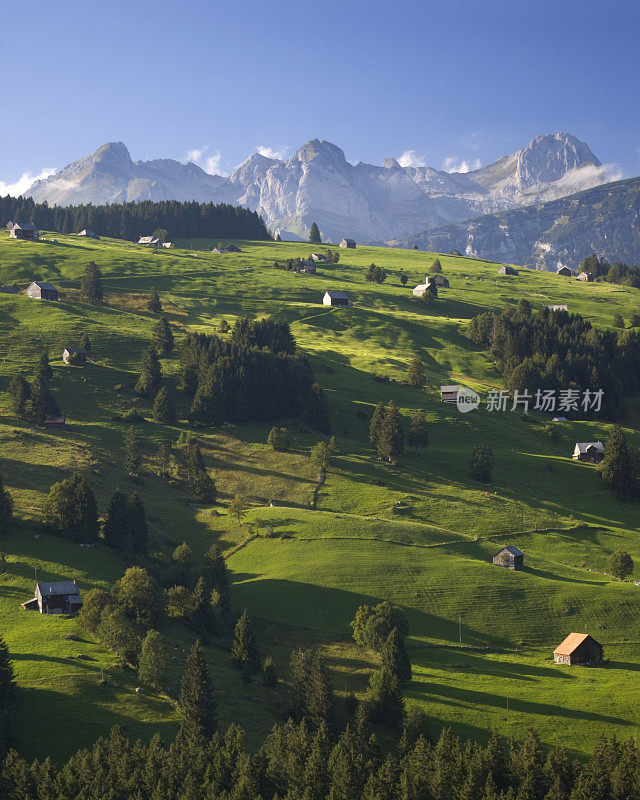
x: 339, y: 299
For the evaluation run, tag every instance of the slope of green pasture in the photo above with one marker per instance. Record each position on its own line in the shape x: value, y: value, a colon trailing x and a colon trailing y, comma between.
x: 434, y: 560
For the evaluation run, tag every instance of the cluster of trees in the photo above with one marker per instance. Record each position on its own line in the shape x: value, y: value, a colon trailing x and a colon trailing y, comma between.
x: 33, y: 400
x: 312, y: 699
x: 386, y: 432
x: 376, y: 274
x: 132, y: 220
x: 253, y: 375
x: 383, y: 629
x: 71, y: 510
x: 620, y: 467
x: 297, y: 264
x: 619, y: 272
x: 556, y: 350
x: 296, y: 761
x: 149, y: 383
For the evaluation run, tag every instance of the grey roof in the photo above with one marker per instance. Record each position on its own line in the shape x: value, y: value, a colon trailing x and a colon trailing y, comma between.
x: 57, y: 587
x: 348, y: 240
x: 510, y: 549
x: 49, y: 287
x: 337, y: 295
x: 76, y: 350
x: 27, y: 226
x: 583, y: 446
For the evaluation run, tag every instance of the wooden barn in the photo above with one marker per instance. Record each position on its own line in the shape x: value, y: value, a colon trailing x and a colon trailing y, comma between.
x: 440, y: 281
x: 88, y: 234
x: 449, y: 394
x: 507, y: 270
x: 74, y: 356
x: 55, y: 423
x: 455, y: 252
x: 149, y: 241
x: 587, y: 277
x: 591, y: 452
x: 318, y: 257
x: 339, y: 299
x: 429, y: 285
x: 59, y: 597
x: 348, y: 243
x: 231, y: 248
x: 24, y: 231
x: 40, y: 290
x: 509, y: 557
x: 565, y: 271
x: 578, y: 649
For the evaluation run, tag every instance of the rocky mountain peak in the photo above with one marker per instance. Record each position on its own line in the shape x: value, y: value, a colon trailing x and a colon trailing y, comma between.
x: 319, y: 149
x: 548, y: 158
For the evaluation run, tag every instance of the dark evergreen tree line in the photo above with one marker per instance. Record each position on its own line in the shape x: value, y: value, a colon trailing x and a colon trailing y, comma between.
x: 619, y: 272
x: 298, y: 761
x: 253, y: 375
x: 556, y: 350
x: 132, y: 220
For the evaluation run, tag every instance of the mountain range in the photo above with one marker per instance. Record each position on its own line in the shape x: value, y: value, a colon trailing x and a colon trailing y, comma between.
x: 372, y: 204
x: 603, y: 220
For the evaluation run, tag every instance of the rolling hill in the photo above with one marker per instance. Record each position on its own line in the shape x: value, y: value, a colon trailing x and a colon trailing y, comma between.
x: 479, y: 634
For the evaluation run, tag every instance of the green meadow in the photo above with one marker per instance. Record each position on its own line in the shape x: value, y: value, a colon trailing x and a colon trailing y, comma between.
x: 481, y: 637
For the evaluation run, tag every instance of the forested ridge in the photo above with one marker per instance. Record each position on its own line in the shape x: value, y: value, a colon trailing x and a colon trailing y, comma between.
x: 132, y: 220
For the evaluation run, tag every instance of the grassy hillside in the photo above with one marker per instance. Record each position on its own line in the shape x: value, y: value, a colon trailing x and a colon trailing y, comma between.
x: 351, y: 548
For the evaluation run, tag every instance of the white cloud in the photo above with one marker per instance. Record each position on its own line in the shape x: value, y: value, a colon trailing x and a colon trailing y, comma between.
x: 20, y: 186
x: 280, y: 153
x: 211, y: 164
x: 453, y: 164
x: 589, y: 175
x: 411, y: 159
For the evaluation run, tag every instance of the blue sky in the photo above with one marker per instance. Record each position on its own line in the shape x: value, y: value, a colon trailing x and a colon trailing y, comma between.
x: 454, y: 81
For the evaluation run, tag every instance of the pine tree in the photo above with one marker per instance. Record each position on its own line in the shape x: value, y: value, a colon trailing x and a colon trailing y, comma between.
x: 278, y: 439
x: 92, y: 291
x: 163, y: 408
x: 244, y: 651
x: 418, y: 435
x: 415, y: 373
x: 137, y: 536
x: 20, y: 392
x: 319, y: 700
x: 7, y: 678
x: 375, y: 425
x: 237, y: 508
x: 163, y: 336
x: 314, y: 234
x: 201, y: 611
x: 153, y: 303
x: 196, y: 693
x: 315, y: 412
x: 43, y: 368
x: 394, y: 657
x: 403, y: 278
x: 115, y: 521
x: 385, y: 698
x: 618, y: 468
x: 6, y: 508
x: 481, y: 463
x: 152, y: 663
x: 41, y: 403
x: 218, y: 578
x: 390, y: 440
x: 131, y: 450
x: 150, y: 373
x: 436, y: 267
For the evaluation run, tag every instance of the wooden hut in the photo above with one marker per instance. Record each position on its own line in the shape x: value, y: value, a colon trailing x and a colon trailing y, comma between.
x: 55, y: 423
x: 578, y: 649
x: 57, y: 597
x: 41, y: 290
x: 449, y: 394
x: 587, y: 277
x: 88, y: 234
x: 339, y: 299
x: 509, y: 557
x: 74, y: 356
x: 591, y: 452
x: 507, y: 270
x: 565, y: 271
x: 23, y: 231
x: 348, y: 243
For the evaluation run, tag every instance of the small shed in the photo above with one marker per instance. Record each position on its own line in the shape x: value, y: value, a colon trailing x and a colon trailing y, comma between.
x: 559, y: 419
x: 55, y: 423
x: 58, y: 597
x: 348, y: 243
x: 591, y: 452
x: 428, y: 286
x: 167, y: 244
x: 74, y: 356
x: 587, y: 277
x: 231, y: 248
x: 23, y: 231
x: 40, y: 290
x: 565, y: 271
x: 440, y: 281
x: 578, y: 649
x: 507, y: 270
x: 449, y: 394
x: 455, y: 253
x: 318, y: 257
x: 339, y: 299
x: 509, y: 557
x: 561, y: 307
x: 88, y: 234
x: 149, y: 241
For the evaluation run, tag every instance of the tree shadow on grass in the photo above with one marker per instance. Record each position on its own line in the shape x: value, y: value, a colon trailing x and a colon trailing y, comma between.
x: 554, y: 576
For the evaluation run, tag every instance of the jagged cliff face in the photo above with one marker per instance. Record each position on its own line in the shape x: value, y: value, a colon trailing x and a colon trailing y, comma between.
x: 317, y: 184
x: 603, y: 220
